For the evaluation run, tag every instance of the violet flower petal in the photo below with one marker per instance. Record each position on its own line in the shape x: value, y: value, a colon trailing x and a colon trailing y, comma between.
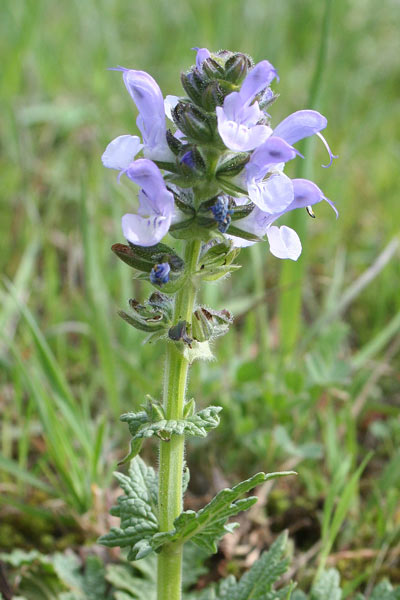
x: 148, y: 98
x: 299, y: 125
x: 148, y: 176
x: 307, y: 193
x: 256, y: 80
x: 238, y: 137
x: 256, y: 223
x: 169, y: 104
x: 144, y: 231
x: 145, y: 93
x: 273, y: 195
x: 235, y: 110
x: 202, y: 54
x: 121, y: 152
x: 273, y: 150
x: 284, y: 242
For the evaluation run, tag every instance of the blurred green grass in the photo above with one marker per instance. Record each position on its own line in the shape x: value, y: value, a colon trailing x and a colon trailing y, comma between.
x: 60, y: 213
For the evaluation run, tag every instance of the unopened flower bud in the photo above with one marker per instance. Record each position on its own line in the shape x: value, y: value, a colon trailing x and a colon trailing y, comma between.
x: 212, y: 96
x: 236, y: 68
x: 173, y: 142
x: 233, y: 164
x: 212, y: 69
x: 159, y: 275
x: 193, y: 122
x: 193, y: 86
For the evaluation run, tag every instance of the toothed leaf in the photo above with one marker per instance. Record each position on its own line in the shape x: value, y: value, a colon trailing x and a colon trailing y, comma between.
x: 209, y: 524
x: 327, y: 586
x: 196, y: 425
x: 137, y: 510
x: 258, y: 583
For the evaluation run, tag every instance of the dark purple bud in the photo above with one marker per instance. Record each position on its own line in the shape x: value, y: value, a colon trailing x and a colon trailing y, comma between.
x: 222, y: 213
x: 159, y: 275
x: 191, y: 161
x: 178, y: 333
x: 188, y: 159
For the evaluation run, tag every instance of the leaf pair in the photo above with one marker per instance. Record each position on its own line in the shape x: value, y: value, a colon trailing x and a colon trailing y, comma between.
x: 152, y: 422
x: 138, y: 513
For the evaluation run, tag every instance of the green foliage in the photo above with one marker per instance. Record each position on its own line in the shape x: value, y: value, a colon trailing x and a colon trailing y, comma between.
x: 385, y: 591
x: 142, y: 425
x: 62, y: 577
x: 137, y: 511
x: 327, y: 586
x: 258, y: 583
x: 58, y: 576
x: 209, y: 524
x: 138, y: 580
x: 333, y: 517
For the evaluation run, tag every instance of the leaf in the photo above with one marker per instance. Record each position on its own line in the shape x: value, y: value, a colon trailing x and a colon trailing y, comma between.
x: 298, y: 595
x: 196, y: 425
x: 130, y: 583
x: 94, y: 583
x: 327, y: 586
x: 215, y: 273
x: 209, y: 524
x: 264, y: 573
x: 159, y: 253
x: 137, y: 511
x: 258, y: 583
x: 58, y: 576
x: 385, y: 591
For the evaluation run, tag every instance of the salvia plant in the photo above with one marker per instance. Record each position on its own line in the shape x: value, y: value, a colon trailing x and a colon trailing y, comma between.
x: 211, y: 174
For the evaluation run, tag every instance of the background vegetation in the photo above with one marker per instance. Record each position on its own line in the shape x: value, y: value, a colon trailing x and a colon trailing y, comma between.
x: 316, y: 390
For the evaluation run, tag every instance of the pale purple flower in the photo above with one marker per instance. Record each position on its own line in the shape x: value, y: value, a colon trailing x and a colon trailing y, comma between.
x: 148, y: 98
x: 238, y: 118
x: 274, y: 193
x: 169, y: 104
x: 284, y: 242
x: 156, y: 205
x: 121, y: 152
x: 267, y: 185
x: 302, y: 124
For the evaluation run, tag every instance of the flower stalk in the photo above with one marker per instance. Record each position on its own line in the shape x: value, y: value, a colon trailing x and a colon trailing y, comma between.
x: 171, y: 454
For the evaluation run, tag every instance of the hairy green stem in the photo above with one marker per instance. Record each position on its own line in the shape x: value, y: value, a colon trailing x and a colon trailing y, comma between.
x: 169, y: 573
